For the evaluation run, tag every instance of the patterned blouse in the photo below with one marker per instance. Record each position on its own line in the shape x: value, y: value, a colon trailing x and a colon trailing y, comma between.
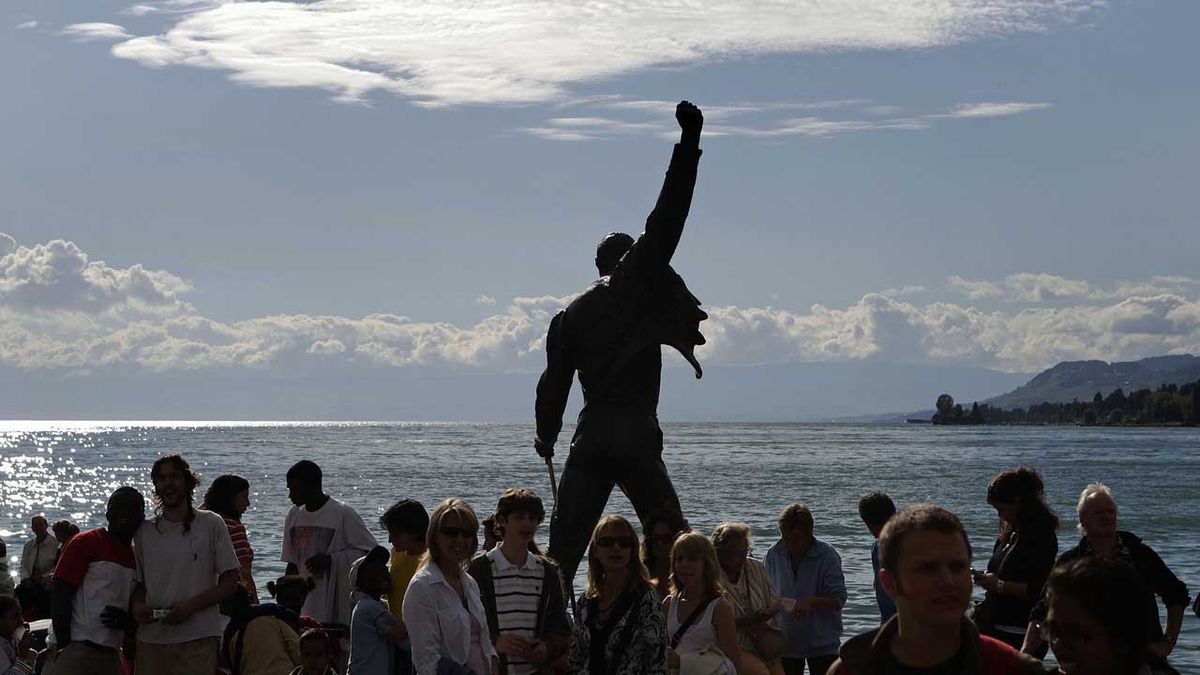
x: 634, y: 642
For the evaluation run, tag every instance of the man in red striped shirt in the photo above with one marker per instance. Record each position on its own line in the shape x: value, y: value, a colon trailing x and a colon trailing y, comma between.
x: 93, y: 583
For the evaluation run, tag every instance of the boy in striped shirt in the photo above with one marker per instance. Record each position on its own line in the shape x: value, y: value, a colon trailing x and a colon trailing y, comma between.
x: 522, y: 590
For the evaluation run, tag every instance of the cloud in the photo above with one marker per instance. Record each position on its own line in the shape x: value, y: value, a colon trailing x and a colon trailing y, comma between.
x: 61, y: 311
x: 903, y: 291
x: 57, y: 276
x: 611, y: 117
x: 446, y: 52
x: 96, y: 31
x: 993, y: 109
x: 27, y: 25
x: 486, y: 300
x: 1026, y: 287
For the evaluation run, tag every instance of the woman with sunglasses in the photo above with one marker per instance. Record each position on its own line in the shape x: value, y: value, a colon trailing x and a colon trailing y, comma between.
x: 620, y: 629
x: 446, y: 621
x: 1096, y: 623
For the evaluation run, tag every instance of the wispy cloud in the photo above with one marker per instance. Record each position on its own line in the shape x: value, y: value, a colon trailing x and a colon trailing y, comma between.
x: 27, y: 25
x: 612, y: 117
x: 1002, y: 109
x: 96, y: 31
x: 447, y: 52
x: 486, y: 300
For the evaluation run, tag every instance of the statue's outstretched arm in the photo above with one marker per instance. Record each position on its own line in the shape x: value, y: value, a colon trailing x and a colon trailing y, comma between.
x: 653, y: 250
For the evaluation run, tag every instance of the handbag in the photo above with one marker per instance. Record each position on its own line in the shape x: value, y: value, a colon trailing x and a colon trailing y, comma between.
x: 770, y: 644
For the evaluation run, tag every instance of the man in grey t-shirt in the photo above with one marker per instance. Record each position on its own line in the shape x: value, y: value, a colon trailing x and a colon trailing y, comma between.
x: 185, y: 567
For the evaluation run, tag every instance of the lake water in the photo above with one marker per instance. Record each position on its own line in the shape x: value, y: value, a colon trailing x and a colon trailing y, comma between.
x: 722, y: 471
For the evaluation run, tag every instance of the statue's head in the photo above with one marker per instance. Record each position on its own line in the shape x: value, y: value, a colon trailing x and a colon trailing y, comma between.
x: 612, y: 247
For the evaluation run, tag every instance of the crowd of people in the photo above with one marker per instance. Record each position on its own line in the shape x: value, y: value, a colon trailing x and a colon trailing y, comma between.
x: 173, y: 594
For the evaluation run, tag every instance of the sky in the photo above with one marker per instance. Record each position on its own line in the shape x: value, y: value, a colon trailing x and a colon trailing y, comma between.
x: 198, y: 185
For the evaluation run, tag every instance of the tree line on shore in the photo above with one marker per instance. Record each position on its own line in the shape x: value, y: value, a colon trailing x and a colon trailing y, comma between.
x: 1170, y: 404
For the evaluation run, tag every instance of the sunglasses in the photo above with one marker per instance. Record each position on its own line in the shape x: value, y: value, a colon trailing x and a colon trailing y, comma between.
x: 613, y: 542
x: 464, y: 532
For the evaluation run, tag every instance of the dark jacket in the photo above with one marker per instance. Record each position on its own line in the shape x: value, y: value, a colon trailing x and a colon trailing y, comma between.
x: 865, y: 654
x: 553, y: 627
x: 1023, y: 557
x: 611, y: 334
x: 1149, y: 566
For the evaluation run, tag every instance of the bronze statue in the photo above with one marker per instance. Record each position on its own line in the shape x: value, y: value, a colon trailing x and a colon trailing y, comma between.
x: 611, y: 335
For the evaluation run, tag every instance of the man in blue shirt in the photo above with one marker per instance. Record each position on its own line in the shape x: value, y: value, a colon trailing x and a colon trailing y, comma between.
x: 807, y: 571
x: 875, y: 509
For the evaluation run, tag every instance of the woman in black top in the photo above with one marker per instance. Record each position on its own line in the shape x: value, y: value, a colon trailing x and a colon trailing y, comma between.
x: 620, y: 629
x: 1022, y: 557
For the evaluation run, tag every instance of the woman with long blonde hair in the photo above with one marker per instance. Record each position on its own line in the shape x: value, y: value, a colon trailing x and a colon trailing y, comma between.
x: 619, y: 630
x: 701, y: 630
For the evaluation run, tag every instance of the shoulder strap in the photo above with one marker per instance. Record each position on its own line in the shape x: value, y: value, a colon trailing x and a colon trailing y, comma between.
x: 683, y: 627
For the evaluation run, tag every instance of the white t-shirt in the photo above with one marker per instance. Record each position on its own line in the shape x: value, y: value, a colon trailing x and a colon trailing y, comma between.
x: 338, y: 531
x: 175, y: 565
x: 101, y: 568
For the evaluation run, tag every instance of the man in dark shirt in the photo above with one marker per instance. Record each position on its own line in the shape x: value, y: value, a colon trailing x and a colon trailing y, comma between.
x: 611, y: 335
x: 927, y: 571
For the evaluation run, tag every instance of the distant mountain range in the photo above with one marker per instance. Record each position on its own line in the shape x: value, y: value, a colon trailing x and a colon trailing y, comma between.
x: 851, y: 391
x: 1071, y: 380
x: 764, y: 393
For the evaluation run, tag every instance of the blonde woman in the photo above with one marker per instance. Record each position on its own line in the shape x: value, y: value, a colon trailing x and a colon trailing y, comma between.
x: 755, y: 603
x: 442, y: 608
x: 701, y: 631
x: 619, y: 630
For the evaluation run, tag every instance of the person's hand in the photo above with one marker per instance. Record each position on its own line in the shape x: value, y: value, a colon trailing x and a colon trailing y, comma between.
x: 538, y: 653
x: 115, y: 618
x: 25, y: 646
x: 142, y: 613
x: 690, y: 119
x: 803, y: 606
x: 764, y: 615
x: 511, y: 644
x: 178, y: 612
x: 672, y: 659
x: 987, y: 581
x: 319, y: 564
x: 544, y: 450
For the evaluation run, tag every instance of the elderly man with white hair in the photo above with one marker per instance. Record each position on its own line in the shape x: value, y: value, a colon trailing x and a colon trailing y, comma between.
x: 1097, y: 511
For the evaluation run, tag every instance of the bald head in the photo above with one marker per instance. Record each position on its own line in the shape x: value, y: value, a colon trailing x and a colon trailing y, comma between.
x: 610, y: 251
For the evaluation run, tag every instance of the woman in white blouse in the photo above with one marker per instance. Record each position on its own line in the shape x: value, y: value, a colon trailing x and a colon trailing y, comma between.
x: 755, y: 604
x: 442, y: 610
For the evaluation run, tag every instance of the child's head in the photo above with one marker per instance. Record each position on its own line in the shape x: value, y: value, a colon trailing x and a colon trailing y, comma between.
x: 10, y: 615
x: 518, y: 514
x: 373, y: 578
x: 290, y: 591
x: 406, y: 523
x: 316, y: 652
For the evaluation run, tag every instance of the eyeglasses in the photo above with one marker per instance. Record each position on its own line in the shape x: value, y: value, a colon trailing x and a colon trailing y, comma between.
x: 613, y: 542
x: 1074, y: 634
x: 464, y: 532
